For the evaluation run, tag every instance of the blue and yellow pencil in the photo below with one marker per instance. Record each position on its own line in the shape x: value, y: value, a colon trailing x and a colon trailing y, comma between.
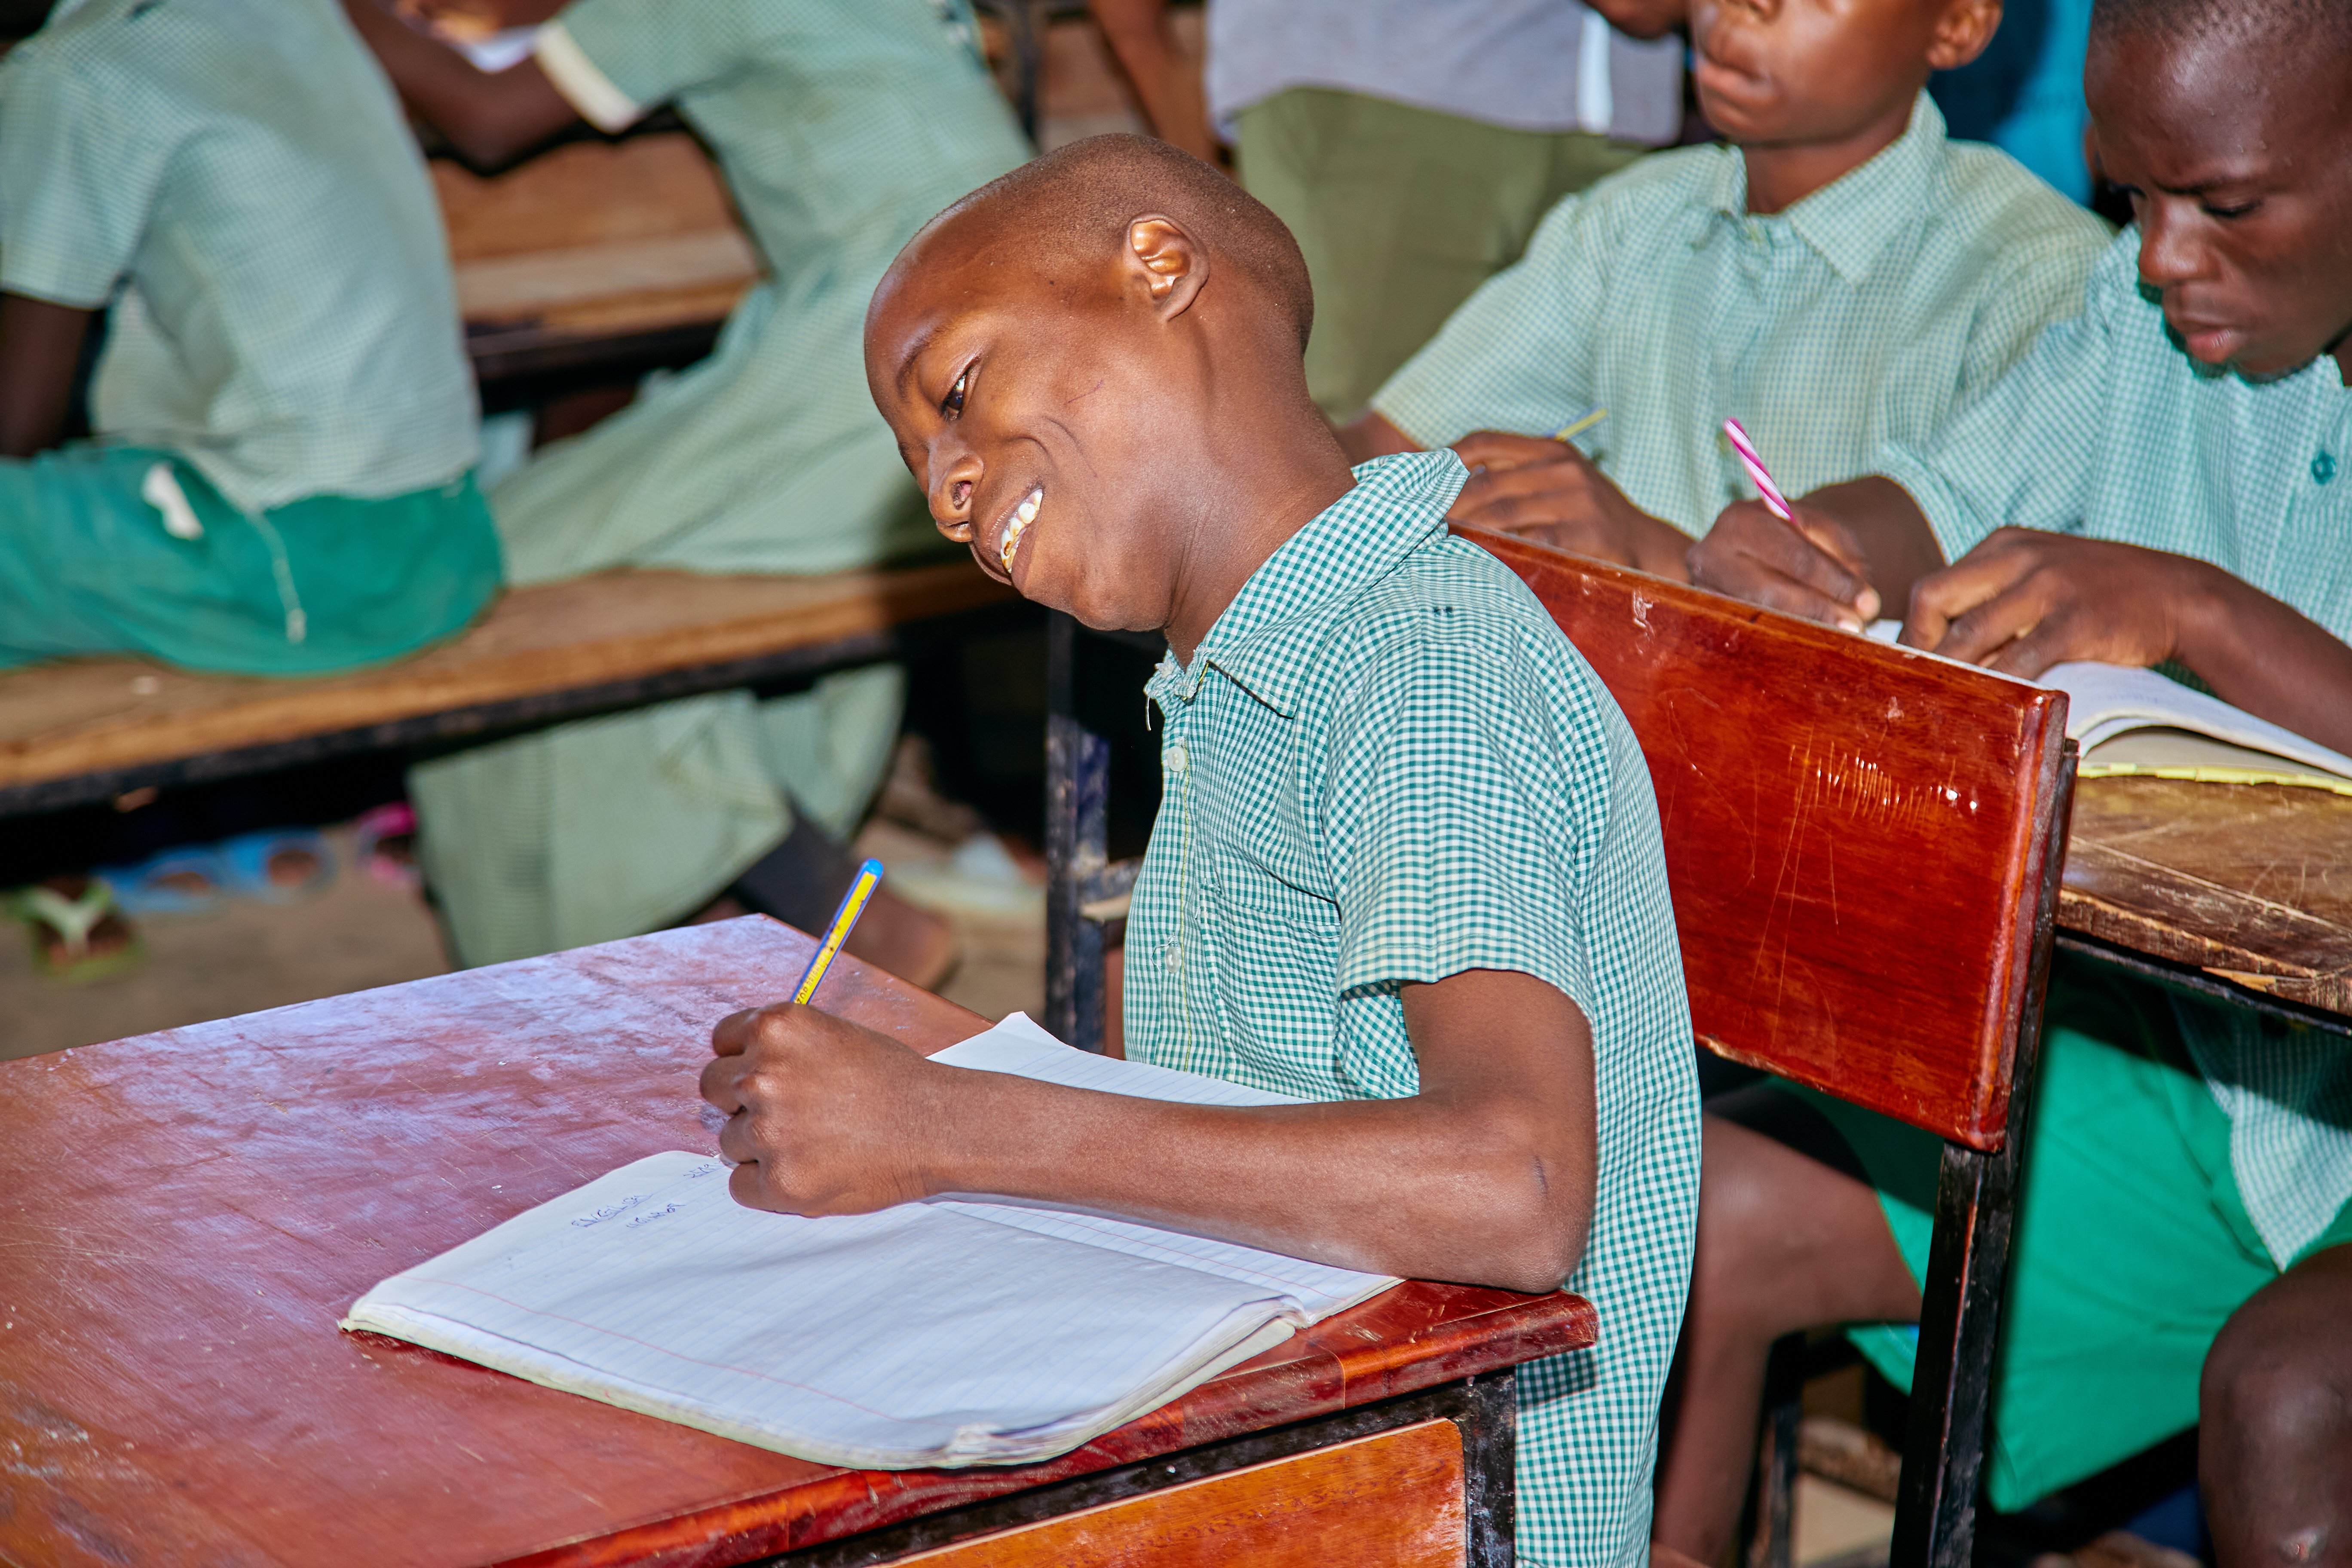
x: 853, y: 904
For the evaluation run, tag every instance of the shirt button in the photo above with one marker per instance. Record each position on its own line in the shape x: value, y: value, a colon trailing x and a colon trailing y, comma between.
x: 1177, y: 760
x: 1172, y: 956
x: 2323, y: 468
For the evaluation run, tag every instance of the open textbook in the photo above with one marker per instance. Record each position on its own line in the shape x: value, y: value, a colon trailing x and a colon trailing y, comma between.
x: 2130, y: 720
x: 955, y: 1331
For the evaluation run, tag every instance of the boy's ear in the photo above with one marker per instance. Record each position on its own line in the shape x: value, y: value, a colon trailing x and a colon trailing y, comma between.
x: 1962, y: 32
x: 1171, y: 263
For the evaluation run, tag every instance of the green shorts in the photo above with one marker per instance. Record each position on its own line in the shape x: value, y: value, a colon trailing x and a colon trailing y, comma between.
x: 1401, y: 214
x: 2132, y: 1247
x: 87, y: 565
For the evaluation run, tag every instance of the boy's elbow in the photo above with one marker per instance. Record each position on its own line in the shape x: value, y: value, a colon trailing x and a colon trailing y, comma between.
x: 1541, y: 1213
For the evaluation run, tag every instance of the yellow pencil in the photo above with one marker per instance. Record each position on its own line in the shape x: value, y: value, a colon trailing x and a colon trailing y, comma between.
x: 853, y: 903
x: 1569, y: 432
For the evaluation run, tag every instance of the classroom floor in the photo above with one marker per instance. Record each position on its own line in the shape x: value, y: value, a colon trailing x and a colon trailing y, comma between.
x: 360, y: 933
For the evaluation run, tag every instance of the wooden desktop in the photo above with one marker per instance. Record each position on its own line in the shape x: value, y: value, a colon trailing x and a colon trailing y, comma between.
x: 186, y: 1217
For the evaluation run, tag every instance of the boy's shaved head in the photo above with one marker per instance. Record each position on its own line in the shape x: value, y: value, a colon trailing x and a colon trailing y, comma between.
x: 2325, y: 21
x: 1080, y: 198
x: 1094, y: 367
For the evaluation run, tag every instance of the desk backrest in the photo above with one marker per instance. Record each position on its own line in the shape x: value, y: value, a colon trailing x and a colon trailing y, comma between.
x: 1859, y: 837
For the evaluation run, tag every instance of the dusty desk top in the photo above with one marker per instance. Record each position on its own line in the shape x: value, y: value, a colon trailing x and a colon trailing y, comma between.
x: 184, y: 1217
x: 2252, y: 882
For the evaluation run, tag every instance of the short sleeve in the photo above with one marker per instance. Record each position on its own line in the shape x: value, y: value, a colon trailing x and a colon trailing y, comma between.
x: 2024, y: 453
x: 2035, y: 279
x: 617, y: 59
x: 1457, y: 832
x: 1518, y: 355
x: 78, y: 179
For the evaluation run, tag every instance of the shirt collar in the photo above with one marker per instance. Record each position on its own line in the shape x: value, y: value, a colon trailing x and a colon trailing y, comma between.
x: 1397, y: 507
x: 1850, y: 220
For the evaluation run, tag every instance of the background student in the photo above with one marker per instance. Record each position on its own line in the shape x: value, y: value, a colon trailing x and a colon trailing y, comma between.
x: 279, y: 481
x: 1411, y: 146
x: 839, y: 125
x: 1841, y: 275
x: 2161, y: 480
x: 1430, y: 902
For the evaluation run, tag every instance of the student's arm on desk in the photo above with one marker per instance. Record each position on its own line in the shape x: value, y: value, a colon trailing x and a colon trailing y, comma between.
x: 40, y: 346
x: 1485, y: 1177
x: 492, y: 120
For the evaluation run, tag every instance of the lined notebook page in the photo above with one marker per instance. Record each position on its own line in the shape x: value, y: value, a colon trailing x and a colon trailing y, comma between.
x: 1018, y: 1046
x: 944, y: 1333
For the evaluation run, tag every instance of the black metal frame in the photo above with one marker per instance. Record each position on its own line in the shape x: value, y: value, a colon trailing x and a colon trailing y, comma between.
x: 1485, y: 1407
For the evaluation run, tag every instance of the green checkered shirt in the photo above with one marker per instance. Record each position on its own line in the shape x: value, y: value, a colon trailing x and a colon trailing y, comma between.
x: 237, y: 179
x: 1867, y: 312
x: 1385, y: 764
x: 2107, y: 430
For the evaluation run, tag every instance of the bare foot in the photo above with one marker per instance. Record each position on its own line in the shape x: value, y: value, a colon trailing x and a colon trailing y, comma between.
x: 912, y: 944
x: 292, y: 867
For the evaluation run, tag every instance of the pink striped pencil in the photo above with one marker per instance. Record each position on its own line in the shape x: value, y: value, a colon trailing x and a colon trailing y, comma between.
x: 1754, y: 464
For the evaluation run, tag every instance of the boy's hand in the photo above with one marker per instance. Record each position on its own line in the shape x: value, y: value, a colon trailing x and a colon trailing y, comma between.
x: 823, y: 1116
x: 2025, y: 600
x: 1815, y: 569
x: 1549, y: 492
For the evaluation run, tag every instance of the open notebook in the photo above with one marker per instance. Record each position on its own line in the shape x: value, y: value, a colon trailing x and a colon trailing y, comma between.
x: 2137, y: 721
x: 957, y: 1331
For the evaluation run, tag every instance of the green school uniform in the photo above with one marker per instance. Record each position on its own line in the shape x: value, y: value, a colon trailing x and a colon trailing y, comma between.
x: 2182, y: 1154
x: 841, y: 127
x: 284, y: 419
x: 1869, y: 311
x: 1385, y: 764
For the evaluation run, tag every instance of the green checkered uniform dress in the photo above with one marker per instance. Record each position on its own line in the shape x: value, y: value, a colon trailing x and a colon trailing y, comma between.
x: 2108, y: 431
x: 1867, y: 312
x: 235, y: 178
x: 842, y: 126
x: 1385, y: 764
x: 233, y: 183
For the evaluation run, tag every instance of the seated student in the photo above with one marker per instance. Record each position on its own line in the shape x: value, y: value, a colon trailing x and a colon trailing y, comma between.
x: 1407, y: 864
x: 280, y: 478
x: 2164, y: 480
x: 1840, y: 277
x: 840, y: 126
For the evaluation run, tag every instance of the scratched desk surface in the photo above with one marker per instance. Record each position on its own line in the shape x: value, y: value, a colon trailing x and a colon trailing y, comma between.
x: 184, y: 1217
x: 2251, y: 882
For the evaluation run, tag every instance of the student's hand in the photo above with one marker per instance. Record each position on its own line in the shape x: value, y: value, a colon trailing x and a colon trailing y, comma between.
x: 1549, y: 491
x: 1815, y: 569
x: 2025, y: 600
x: 821, y: 1114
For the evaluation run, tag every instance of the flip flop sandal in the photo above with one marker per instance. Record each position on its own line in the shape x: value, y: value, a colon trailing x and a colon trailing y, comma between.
x: 145, y: 889
x: 248, y: 855
x: 72, y: 921
x: 369, y: 832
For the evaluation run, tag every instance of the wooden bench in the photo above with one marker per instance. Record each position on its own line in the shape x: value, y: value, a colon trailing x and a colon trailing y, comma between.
x: 88, y: 730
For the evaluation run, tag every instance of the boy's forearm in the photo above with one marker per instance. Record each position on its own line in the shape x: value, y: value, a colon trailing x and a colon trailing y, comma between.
x: 490, y: 119
x: 2263, y: 656
x: 1413, y: 1187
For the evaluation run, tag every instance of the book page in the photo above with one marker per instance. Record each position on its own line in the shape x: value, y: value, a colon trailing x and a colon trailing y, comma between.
x: 1019, y: 1046
x: 918, y: 1335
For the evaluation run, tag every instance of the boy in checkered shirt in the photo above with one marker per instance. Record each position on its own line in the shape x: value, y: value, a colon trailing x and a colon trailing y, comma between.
x: 1407, y: 865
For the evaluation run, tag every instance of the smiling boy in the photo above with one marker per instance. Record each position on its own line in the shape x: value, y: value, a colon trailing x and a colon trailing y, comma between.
x: 1407, y: 865
x: 1839, y: 275
x: 2160, y: 480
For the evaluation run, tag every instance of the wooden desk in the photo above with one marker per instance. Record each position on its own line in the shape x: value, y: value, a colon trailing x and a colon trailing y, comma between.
x: 184, y: 1217
x: 2249, y: 883
x: 595, y: 259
